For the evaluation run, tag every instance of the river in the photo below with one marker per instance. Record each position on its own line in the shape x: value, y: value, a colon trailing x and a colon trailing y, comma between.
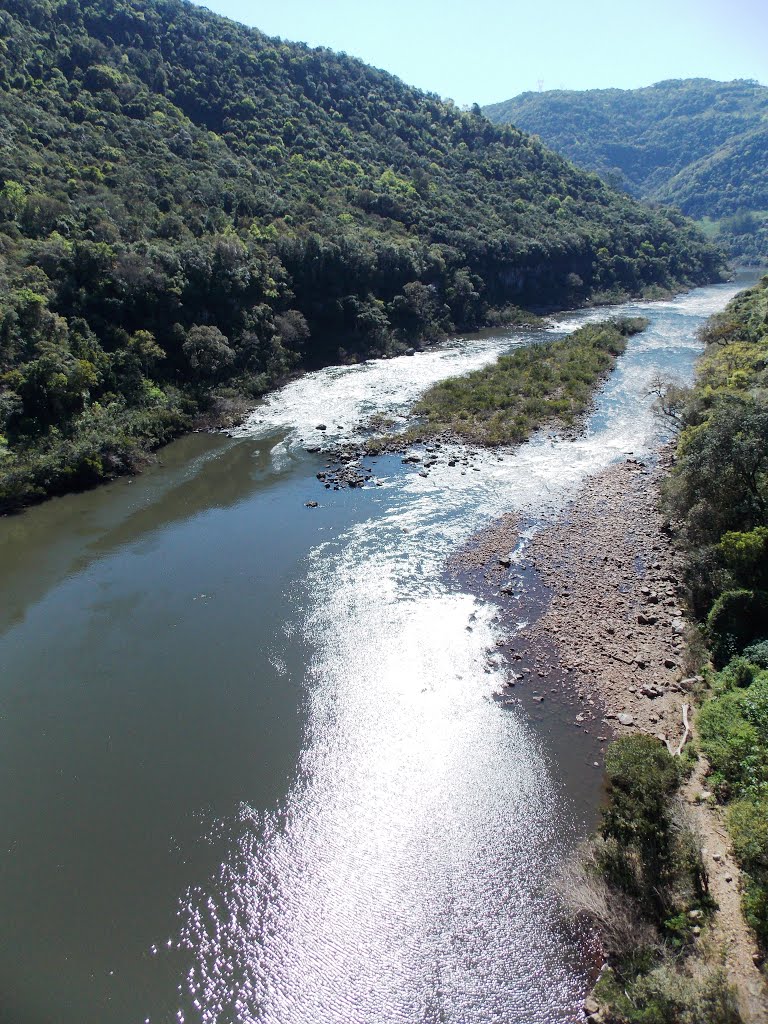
x: 251, y: 763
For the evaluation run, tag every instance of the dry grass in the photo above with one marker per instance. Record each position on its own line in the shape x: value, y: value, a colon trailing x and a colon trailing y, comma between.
x: 588, y: 898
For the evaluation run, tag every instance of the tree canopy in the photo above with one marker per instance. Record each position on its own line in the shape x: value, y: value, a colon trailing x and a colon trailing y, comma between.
x: 696, y: 144
x: 190, y: 209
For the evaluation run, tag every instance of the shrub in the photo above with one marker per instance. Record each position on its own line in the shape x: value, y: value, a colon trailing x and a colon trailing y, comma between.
x: 737, y: 618
x: 748, y: 824
x: 666, y: 996
x: 734, y: 735
x: 757, y: 653
x: 636, y: 825
x: 738, y: 673
x: 745, y: 555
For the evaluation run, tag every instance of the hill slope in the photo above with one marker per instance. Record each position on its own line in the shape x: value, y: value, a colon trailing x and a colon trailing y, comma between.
x: 189, y: 210
x: 698, y: 144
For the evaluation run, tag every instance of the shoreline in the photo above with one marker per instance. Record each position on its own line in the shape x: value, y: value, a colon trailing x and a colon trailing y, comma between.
x: 604, y: 588
x: 229, y: 412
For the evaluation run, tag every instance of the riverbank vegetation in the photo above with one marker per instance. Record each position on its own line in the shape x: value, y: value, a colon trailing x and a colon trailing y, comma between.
x: 551, y: 382
x: 643, y: 883
x: 718, y: 491
x: 190, y: 211
x: 693, y: 143
x: 646, y: 856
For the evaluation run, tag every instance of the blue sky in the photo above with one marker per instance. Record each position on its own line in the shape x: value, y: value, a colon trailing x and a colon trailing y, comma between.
x: 487, y: 50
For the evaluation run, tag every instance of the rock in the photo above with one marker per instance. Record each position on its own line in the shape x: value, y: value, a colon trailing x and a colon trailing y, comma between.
x: 321, y: 426
x: 649, y: 690
x: 625, y: 719
x: 691, y: 681
x: 310, y: 504
x: 695, y: 915
x: 505, y: 562
x: 591, y: 1006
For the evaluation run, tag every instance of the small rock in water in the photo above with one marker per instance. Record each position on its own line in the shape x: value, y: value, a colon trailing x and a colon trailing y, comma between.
x: 321, y: 426
x: 310, y: 504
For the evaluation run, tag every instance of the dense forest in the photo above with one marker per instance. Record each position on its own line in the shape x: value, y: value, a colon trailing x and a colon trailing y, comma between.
x: 696, y: 144
x: 190, y: 210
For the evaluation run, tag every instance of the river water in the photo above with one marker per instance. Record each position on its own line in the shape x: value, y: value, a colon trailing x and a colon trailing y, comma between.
x: 251, y: 763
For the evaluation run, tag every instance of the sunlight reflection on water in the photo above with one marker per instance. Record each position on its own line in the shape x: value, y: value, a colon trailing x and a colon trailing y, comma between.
x: 405, y: 877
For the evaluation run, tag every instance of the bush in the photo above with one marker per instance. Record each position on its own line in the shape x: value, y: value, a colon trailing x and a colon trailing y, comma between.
x: 667, y: 996
x: 745, y: 555
x: 738, y: 673
x: 748, y: 824
x: 636, y: 825
x: 757, y: 653
x: 737, y: 618
x: 734, y: 735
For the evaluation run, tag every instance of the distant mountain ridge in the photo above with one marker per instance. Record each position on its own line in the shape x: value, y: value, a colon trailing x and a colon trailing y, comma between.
x: 190, y: 210
x: 695, y: 143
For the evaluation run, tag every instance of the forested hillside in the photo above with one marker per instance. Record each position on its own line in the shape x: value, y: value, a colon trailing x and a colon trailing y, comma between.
x: 190, y: 210
x: 697, y: 144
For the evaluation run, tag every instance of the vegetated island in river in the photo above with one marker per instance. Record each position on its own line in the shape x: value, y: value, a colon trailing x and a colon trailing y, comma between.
x: 546, y: 383
x: 658, y: 582
x: 191, y: 211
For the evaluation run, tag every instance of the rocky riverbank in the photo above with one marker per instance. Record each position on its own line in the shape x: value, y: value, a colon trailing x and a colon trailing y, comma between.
x: 608, y: 633
x: 615, y: 617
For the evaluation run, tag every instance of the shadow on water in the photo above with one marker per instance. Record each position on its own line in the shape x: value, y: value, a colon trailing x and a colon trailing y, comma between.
x: 47, y: 543
x: 152, y: 684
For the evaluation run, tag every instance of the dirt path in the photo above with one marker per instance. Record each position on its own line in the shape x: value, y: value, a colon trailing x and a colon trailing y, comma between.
x: 615, y: 620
